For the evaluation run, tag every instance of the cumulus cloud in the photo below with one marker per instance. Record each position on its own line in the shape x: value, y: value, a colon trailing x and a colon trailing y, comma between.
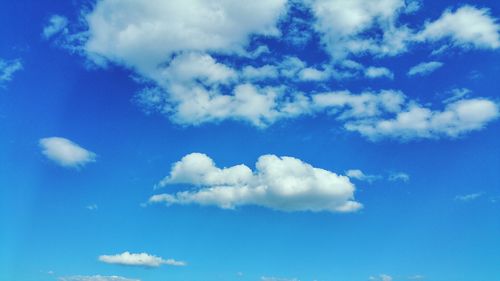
x: 424, y: 68
x: 144, y: 34
x: 199, y: 62
x: 343, y: 23
x: 140, y: 259
x: 378, y: 72
x: 8, y: 68
x: 456, y: 119
x: 65, y: 152
x: 95, y: 278
x: 56, y: 24
x: 280, y: 183
x: 466, y: 26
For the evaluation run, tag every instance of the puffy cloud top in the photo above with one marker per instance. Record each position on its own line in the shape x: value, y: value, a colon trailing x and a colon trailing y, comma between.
x: 281, y: 183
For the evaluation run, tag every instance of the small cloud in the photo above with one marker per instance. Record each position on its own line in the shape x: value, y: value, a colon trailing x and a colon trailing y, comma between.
x: 424, y: 68
x: 141, y: 259
x: 359, y: 175
x: 381, y: 277
x: 65, y: 152
x: 385, y: 277
x: 378, y: 72
x: 400, y: 176
x: 416, y: 277
x: 92, y: 207
x: 468, y: 197
x: 8, y: 68
x: 457, y: 94
x: 95, y: 278
x: 57, y: 24
x: 265, y: 278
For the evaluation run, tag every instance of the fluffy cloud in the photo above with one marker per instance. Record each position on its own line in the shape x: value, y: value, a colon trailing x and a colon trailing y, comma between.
x: 141, y: 259
x: 280, y: 183
x: 342, y: 24
x: 8, y: 68
x: 200, y: 61
x: 95, y: 278
x: 144, y: 34
x: 456, y: 119
x: 467, y: 26
x: 56, y: 25
x: 378, y: 72
x: 65, y: 152
x: 424, y: 68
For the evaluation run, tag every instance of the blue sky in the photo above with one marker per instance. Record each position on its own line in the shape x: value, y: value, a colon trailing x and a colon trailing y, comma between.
x: 265, y: 140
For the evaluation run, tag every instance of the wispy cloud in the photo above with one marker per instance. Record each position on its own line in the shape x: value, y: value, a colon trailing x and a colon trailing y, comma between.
x: 468, y: 197
x: 95, y: 278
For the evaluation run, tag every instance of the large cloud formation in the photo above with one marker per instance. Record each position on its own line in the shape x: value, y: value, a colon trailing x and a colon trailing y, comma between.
x: 280, y: 183
x: 202, y: 61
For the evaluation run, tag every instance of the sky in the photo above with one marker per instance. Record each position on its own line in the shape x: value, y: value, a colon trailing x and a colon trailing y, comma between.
x: 267, y: 140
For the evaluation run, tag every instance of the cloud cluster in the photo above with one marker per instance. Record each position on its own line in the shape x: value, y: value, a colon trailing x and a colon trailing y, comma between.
x: 201, y: 61
x: 140, y: 259
x: 65, y: 152
x: 280, y: 183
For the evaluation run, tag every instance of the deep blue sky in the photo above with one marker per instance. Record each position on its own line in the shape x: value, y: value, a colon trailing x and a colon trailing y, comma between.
x: 442, y: 223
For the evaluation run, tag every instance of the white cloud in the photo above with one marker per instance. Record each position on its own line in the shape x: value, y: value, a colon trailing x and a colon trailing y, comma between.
x: 364, y: 105
x: 267, y: 278
x: 378, y: 72
x: 457, y: 94
x: 342, y: 24
x: 140, y: 259
x: 416, y: 277
x: 424, y: 68
x: 280, y: 183
x: 313, y: 74
x: 200, y: 64
x: 91, y: 207
x: 468, y: 197
x: 57, y: 24
x: 359, y: 175
x: 456, y: 119
x: 260, y: 73
x: 95, y: 278
x: 399, y: 176
x: 8, y: 68
x: 143, y: 34
x: 385, y: 277
x: 467, y: 26
x: 65, y: 152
